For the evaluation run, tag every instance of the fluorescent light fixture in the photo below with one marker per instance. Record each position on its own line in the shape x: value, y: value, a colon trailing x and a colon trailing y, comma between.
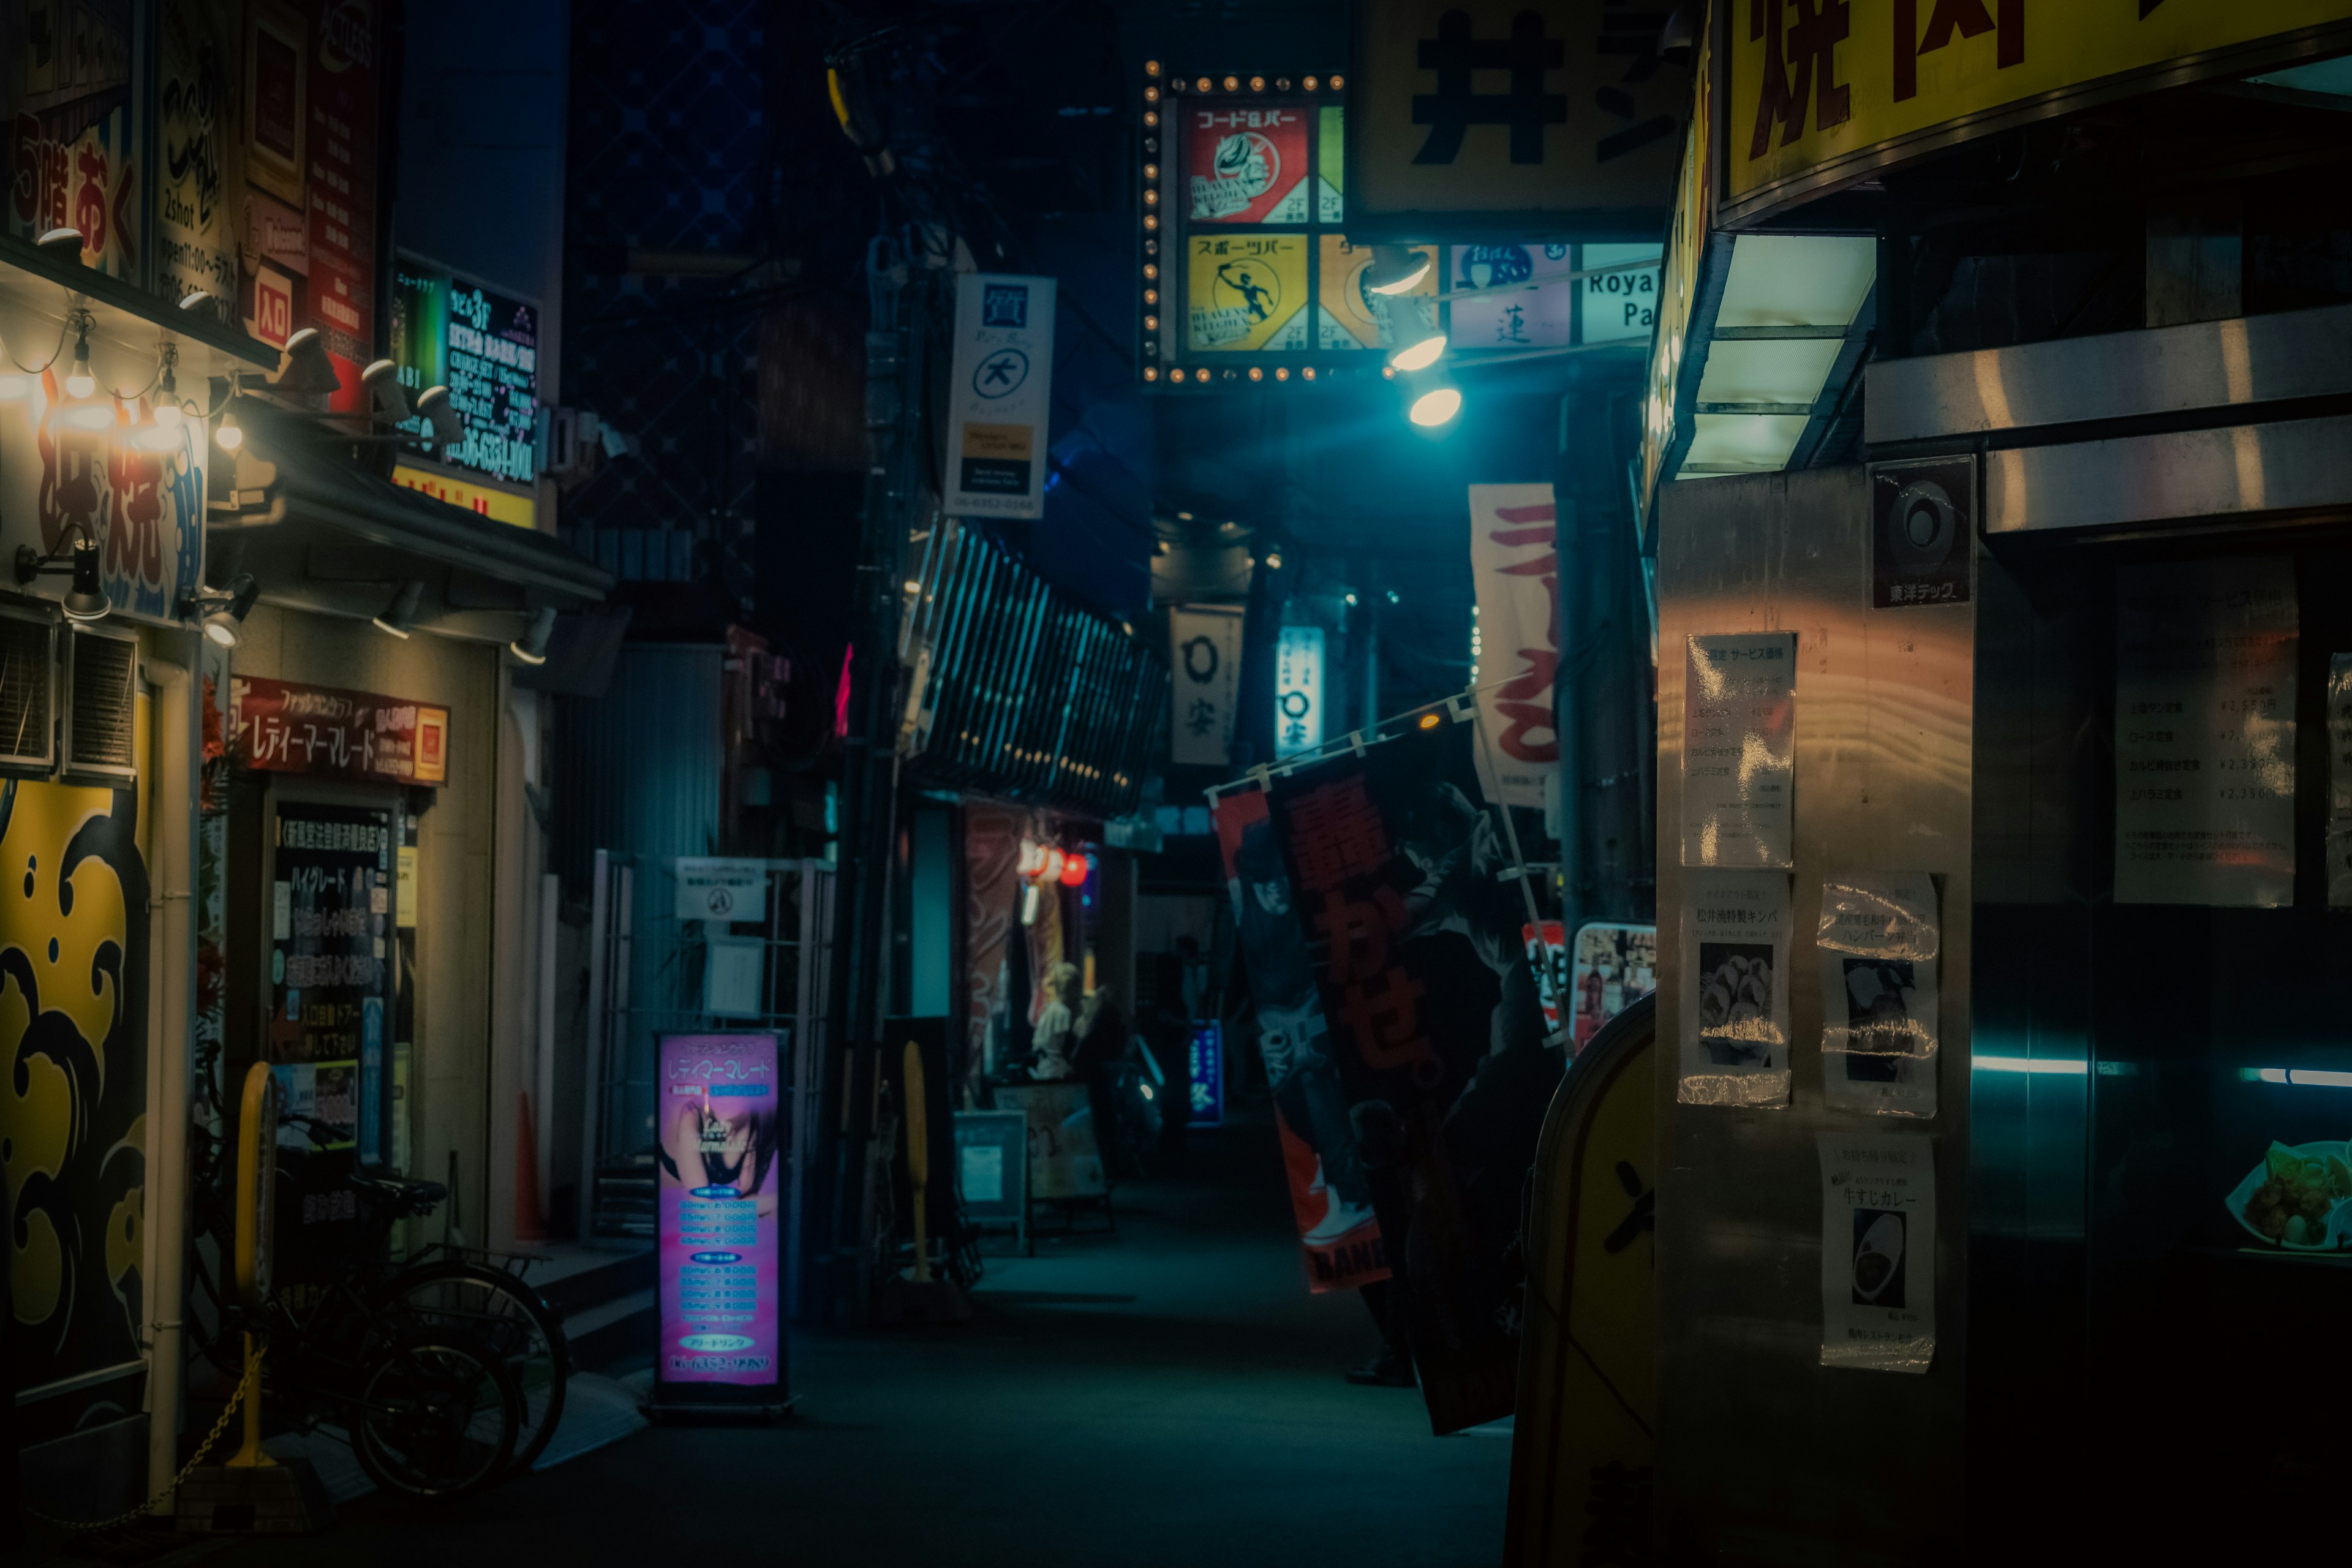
x: 2300, y: 1078
x: 2058, y: 1065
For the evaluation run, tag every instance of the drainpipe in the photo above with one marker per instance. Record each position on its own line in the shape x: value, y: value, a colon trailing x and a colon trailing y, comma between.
x: 174, y: 995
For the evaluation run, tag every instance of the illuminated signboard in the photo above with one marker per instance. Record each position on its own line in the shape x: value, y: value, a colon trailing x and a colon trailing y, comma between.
x: 1206, y: 1073
x: 484, y: 347
x: 722, y: 1178
x: 1246, y: 277
x: 1297, y: 690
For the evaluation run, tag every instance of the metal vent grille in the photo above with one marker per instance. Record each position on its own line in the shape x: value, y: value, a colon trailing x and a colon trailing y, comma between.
x: 102, y: 707
x: 28, y: 686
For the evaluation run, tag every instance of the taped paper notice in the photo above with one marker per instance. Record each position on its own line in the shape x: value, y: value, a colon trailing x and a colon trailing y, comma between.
x: 1735, y: 1016
x: 1878, y: 1251
x: 1878, y: 943
x: 1739, y: 728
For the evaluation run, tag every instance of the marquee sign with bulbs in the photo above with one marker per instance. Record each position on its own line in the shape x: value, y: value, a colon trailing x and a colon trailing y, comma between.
x: 1247, y: 278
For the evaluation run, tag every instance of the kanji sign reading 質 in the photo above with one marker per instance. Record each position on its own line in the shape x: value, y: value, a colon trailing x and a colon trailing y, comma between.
x: 1506, y: 120
x: 281, y: 726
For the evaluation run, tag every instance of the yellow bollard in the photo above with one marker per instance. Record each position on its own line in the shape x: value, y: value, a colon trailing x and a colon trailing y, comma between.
x: 257, y: 1196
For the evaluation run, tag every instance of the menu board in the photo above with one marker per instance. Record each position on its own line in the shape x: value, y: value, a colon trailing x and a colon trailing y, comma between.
x: 286, y: 727
x: 723, y: 1177
x: 330, y: 978
x: 1248, y: 292
x: 1245, y: 163
x: 1739, y: 727
x: 2205, y: 659
x: 484, y: 347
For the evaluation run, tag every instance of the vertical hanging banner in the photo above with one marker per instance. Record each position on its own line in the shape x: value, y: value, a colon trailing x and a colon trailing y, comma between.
x: 1499, y: 119
x: 2339, y: 780
x: 1297, y: 690
x: 73, y: 102
x: 722, y: 1169
x: 1205, y: 654
x: 200, y: 167
x: 1878, y: 1251
x: 1329, y: 1198
x: 1735, y: 1012
x: 1000, y: 396
x: 1878, y: 943
x: 1739, y: 733
x: 1437, y: 1034
x: 1514, y: 565
x: 2205, y: 663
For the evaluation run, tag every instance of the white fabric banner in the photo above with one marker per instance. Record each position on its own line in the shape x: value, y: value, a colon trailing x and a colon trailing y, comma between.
x: 1000, y: 396
x: 1204, y: 653
x: 1514, y: 565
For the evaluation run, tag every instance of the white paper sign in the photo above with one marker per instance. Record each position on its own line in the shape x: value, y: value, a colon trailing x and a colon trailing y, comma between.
x: 713, y: 889
x: 1878, y: 942
x: 1204, y: 655
x: 1739, y: 732
x: 1515, y: 566
x: 1000, y: 396
x: 1297, y: 690
x: 1878, y: 1251
x: 2205, y: 734
x: 1735, y: 1016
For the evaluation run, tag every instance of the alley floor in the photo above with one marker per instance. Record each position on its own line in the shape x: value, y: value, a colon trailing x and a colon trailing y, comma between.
x: 1170, y: 1396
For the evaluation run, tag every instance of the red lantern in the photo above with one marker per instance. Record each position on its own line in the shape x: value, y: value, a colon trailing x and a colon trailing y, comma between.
x: 1074, y: 870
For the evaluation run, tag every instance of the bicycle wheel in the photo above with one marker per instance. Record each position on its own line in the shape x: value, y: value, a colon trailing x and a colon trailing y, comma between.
x: 504, y: 1313
x: 436, y: 1416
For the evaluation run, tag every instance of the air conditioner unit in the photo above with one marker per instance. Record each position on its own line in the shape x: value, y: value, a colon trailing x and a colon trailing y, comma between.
x: 29, y: 690
x: 98, y: 735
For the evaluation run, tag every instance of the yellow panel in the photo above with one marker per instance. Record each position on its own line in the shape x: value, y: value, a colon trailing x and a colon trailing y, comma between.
x: 498, y: 506
x: 1372, y: 320
x: 1248, y: 292
x: 1868, y: 86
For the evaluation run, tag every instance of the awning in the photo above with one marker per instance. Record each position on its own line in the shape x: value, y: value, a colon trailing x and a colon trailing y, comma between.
x: 321, y: 533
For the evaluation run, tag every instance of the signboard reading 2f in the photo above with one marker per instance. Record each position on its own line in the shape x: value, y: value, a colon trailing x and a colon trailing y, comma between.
x: 1825, y: 91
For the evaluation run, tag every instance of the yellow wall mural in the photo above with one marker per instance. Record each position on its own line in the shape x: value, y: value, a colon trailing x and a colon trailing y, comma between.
x: 73, y: 1035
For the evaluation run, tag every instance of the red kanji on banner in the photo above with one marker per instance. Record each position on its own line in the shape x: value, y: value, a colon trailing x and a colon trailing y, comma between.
x: 1348, y: 924
x: 1336, y: 833
x: 1384, y: 1016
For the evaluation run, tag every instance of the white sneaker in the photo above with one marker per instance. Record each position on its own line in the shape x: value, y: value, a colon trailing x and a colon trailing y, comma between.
x: 1340, y: 1218
x: 1317, y: 1185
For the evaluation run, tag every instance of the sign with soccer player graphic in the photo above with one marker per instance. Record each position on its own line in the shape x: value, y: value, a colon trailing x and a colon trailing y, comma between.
x: 1502, y: 121
x: 1248, y: 292
x: 1398, y: 885
x: 1245, y: 163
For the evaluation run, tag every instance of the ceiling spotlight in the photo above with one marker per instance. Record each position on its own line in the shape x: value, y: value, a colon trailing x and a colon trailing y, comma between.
x: 86, y: 598
x: 1396, y: 269
x: 304, y: 367
x: 1436, y: 405
x: 386, y: 398
x: 225, y: 623
x: 1274, y: 560
x: 400, y: 615
x: 1184, y: 517
x: 1351, y: 599
x: 440, y: 420
x: 531, y: 647
x: 1394, y: 598
x: 1420, y: 355
x: 79, y: 383
x: 229, y: 434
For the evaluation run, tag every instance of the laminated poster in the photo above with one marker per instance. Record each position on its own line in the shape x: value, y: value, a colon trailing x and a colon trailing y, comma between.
x: 1878, y: 1251
x: 2205, y: 734
x: 1735, y: 1028
x: 1739, y: 728
x: 1878, y: 942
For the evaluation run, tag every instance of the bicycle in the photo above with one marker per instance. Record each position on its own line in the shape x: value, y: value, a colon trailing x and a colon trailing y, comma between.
x: 446, y: 1291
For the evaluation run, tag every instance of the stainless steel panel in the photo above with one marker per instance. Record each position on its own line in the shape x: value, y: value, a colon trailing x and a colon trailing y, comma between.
x: 2168, y: 370
x: 1764, y: 1455
x: 2292, y: 467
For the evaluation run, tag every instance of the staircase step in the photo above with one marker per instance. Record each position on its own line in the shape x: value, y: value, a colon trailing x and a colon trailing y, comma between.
x: 594, y: 1278
x: 614, y: 1328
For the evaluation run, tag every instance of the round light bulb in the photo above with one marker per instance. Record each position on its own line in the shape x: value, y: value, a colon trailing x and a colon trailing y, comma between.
x: 1436, y: 407
x: 1420, y: 355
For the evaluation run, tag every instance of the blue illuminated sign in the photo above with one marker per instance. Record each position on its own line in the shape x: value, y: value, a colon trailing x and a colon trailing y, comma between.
x: 1206, y: 1069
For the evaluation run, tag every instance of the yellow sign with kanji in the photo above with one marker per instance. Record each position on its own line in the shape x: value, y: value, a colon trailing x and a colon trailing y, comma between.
x: 1248, y: 292
x: 1822, y: 91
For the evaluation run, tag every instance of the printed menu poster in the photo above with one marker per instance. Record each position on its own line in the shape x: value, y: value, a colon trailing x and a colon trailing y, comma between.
x: 1878, y: 942
x: 1739, y: 728
x: 2205, y: 658
x: 331, y: 914
x: 723, y: 1177
x: 1735, y: 1014
x: 1878, y: 1251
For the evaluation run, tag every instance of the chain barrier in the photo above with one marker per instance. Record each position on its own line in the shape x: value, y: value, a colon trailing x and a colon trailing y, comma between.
x: 243, y: 1386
